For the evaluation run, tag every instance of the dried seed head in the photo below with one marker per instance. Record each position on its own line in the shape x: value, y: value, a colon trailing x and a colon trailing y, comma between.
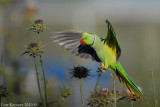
x: 129, y: 96
x: 103, y: 98
x: 80, y: 72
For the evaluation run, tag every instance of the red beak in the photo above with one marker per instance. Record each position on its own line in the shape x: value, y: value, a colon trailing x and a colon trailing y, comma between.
x: 82, y: 42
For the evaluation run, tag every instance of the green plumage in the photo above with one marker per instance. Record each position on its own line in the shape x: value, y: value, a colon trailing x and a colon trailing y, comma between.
x: 126, y: 80
x: 106, y: 51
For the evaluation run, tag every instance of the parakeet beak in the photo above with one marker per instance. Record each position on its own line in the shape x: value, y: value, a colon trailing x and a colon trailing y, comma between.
x: 82, y: 42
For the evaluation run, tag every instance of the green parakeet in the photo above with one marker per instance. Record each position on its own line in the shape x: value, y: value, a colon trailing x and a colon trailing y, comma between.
x: 106, y: 51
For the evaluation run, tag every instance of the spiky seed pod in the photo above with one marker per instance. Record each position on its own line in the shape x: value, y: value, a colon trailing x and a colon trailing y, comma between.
x: 103, y: 98
x: 33, y: 49
x: 129, y: 96
x: 80, y: 72
x: 38, y: 26
x: 65, y: 92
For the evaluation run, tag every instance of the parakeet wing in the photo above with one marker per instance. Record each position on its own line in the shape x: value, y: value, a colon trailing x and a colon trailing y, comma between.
x: 70, y: 40
x: 112, y: 40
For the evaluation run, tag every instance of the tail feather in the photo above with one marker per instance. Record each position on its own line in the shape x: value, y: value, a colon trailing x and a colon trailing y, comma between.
x: 126, y: 81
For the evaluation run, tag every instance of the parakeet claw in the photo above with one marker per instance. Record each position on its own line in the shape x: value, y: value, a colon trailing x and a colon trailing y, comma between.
x: 101, y: 67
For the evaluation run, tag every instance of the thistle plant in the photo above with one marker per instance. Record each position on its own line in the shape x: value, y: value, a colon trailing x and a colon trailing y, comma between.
x: 129, y: 97
x: 34, y: 50
x: 79, y: 73
x: 38, y: 26
x: 3, y: 93
x: 103, y: 98
x: 65, y: 92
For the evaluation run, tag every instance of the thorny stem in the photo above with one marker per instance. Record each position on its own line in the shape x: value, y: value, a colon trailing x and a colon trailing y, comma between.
x: 131, y: 103
x: 114, y: 88
x: 81, y: 92
x: 99, y: 74
x: 153, y: 88
x: 44, y: 79
x: 39, y: 88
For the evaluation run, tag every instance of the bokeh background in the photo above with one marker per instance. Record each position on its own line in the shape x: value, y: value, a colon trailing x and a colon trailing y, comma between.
x: 137, y: 25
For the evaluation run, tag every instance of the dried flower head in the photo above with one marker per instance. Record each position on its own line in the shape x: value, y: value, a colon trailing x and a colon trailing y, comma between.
x: 3, y: 87
x: 38, y: 26
x: 65, y: 92
x: 80, y: 72
x: 39, y: 21
x: 129, y: 96
x: 40, y: 104
x: 33, y: 49
x: 103, y: 98
x: 33, y: 45
x: 3, y: 91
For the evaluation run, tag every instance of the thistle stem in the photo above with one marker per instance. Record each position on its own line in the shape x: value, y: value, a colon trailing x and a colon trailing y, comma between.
x: 99, y: 74
x: 44, y: 79
x: 153, y: 88
x: 0, y: 101
x: 81, y: 92
x: 38, y: 39
x: 37, y: 74
x: 114, y: 88
x: 131, y: 103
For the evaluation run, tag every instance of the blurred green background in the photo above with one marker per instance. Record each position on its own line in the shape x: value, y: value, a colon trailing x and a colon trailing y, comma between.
x: 137, y: 25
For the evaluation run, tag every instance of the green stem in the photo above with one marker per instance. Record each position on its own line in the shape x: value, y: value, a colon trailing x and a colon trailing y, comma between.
x: 0, y: 101
x: 114, y: 88
x: 153, y: 88
x: 99, y: 74
x: 44, y: 79
x: 81, y: 93
x: 39, y: 88
x: 38, y: 39
x: 131, y: 103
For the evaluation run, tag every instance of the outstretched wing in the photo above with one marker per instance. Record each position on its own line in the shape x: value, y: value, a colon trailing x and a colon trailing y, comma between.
x: 70, y: 40
x: 112, y: 40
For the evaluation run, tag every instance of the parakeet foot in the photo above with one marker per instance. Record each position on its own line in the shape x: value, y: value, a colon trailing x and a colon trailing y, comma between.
x: 101, y: 67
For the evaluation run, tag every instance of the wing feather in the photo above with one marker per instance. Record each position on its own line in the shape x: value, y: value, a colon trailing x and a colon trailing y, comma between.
x: 70, y: 40
x: 112, y: 40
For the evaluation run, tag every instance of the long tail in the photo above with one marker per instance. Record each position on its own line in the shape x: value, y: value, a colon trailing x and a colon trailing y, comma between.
x: 126, y: 80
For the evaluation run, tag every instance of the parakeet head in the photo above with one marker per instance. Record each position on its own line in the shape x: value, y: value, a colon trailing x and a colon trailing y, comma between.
x: 87, y: 39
